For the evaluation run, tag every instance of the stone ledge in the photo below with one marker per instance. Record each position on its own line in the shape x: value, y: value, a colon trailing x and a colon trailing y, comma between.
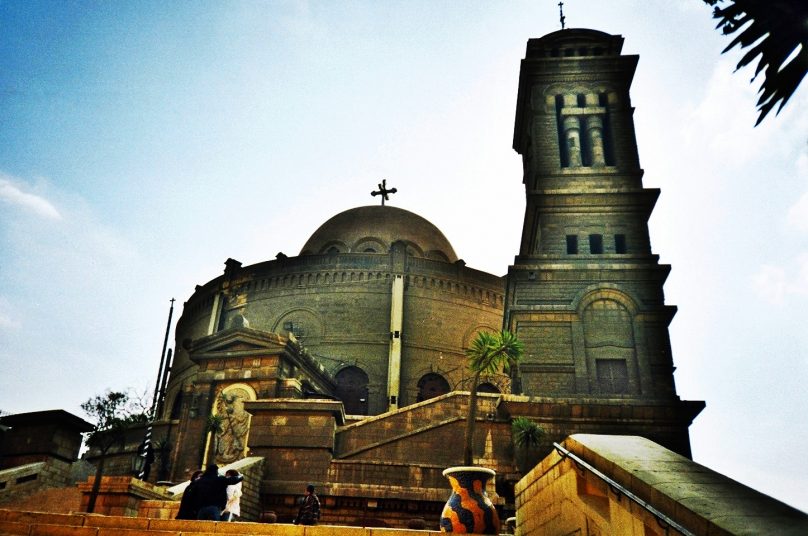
x: 41, y: 524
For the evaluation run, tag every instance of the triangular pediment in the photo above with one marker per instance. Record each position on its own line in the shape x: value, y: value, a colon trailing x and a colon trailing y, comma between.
x: 237, y: 341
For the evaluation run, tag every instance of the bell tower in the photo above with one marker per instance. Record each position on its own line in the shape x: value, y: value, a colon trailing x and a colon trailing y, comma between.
x: 585, y: 293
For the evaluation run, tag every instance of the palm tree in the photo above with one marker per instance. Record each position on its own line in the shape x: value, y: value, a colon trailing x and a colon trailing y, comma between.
x: 488, y: 353
x: 214, y: 427
x: 775, y: 31
x: 527, y: 434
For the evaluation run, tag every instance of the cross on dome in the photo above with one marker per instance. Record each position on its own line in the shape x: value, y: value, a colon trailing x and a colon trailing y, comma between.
x: 383, y: 191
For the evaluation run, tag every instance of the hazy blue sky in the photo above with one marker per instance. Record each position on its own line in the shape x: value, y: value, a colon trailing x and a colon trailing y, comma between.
x: 144, y: 143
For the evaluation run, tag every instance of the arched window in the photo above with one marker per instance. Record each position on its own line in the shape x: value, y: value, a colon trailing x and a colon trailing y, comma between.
x: 352, y: 389
x: 431, y: 385
x: 609, y: 338
x: 176, y: 407
x: 487, y: 387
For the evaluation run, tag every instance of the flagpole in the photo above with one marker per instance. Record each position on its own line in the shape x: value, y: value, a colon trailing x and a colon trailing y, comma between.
x: 144, y: 471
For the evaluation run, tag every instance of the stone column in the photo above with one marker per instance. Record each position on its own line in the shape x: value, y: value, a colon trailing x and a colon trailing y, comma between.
x: 594, y: 130
x: 214, y: 313
x: 572, y: 137
x: 394, y: 360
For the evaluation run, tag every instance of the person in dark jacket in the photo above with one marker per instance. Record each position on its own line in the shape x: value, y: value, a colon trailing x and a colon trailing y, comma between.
x: 310, y: 509
x: 188, y: 504
x: 211, y: 492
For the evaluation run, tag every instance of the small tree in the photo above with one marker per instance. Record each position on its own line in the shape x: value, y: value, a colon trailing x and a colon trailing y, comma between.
x: 487, y: 354
x: 527, y: 434
x: 113, y: 413
x: 214, y: 427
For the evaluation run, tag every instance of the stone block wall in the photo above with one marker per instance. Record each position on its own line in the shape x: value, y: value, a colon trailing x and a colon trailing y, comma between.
x: 25, y: 480
x: 40, y: 436
x: 444, y: 302
x: 295, y: 436
x: 559, y: 496
x: 120, y: 495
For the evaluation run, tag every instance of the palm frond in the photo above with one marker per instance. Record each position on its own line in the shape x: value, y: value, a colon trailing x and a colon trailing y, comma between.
x: 776, y: 30
x: 526, y: 432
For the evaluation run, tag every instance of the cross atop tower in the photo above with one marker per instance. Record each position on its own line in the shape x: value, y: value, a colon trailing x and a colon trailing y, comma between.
x: 561, y: 13
x: 383, y: 191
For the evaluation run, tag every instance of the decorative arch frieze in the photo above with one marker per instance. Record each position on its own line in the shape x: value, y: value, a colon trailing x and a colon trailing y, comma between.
x: 333, y: 246
x: 369, y: 242
x: 604, y: 291
x: 305, y: 323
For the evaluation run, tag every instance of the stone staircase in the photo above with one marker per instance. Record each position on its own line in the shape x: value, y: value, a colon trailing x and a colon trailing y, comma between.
x: 20, y: 523
x: 392, y: 455
x: 381, y: 432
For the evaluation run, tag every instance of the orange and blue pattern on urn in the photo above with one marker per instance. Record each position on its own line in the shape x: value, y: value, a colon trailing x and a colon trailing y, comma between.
x: 469, y: 510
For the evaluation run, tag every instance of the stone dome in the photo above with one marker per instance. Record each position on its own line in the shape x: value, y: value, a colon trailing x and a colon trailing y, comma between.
x: 373, y: 229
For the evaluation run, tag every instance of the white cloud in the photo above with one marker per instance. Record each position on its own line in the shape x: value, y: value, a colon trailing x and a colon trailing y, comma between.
x: 802, y: 273
x: 7, y: 320
x: 721, y: 122
x: 797, y: 215
x: 770, y: 283
x: 775, y: 284
x: 14, y: 195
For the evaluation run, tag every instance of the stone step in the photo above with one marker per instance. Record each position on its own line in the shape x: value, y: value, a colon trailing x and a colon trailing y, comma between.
x: 21, y: 523
x: 399, y: 424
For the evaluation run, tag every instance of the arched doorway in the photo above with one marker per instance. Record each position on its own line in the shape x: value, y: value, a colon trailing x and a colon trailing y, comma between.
x: 431, y: 385
x: 352, y: 389
x: 488, y: 387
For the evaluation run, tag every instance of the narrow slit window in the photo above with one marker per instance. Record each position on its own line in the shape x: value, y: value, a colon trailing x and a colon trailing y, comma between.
x: 608, y: 145
x: 562, y: 144
x: 572, y: 244
x: 619, y: 243
x: 596, y: 244
x: 586, y: 149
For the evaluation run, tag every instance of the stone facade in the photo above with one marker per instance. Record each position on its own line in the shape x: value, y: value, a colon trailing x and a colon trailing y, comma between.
x: 337, y: 303
x: 380, y: 471
x: 585, y: 292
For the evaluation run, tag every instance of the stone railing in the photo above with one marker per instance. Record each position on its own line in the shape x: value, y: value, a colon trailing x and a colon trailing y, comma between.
x: 613, y: 484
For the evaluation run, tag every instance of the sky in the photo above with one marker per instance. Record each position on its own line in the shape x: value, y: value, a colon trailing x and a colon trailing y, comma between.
x: 143, y: 143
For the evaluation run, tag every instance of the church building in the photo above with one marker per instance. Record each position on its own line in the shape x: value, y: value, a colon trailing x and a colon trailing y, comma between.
x: 344, y: 365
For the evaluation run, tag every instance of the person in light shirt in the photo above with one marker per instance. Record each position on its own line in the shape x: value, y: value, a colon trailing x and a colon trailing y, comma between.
x: 232, y: 510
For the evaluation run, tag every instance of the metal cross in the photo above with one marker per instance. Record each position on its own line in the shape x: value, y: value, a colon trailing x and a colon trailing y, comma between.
x: 561, y: 13
x: 383, y: 191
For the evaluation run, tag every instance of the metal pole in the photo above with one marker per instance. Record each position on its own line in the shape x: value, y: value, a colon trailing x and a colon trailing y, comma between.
x: 161, y: 397
x: 144, y: 472
x: 162, y: 360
